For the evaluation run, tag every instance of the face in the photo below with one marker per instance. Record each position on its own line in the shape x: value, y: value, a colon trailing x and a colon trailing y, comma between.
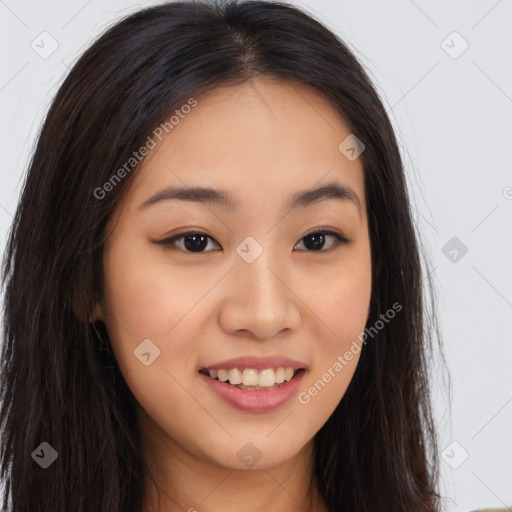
x: 258, y: 277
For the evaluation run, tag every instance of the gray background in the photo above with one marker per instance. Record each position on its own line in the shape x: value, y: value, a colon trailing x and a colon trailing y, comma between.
x: 452, y: 111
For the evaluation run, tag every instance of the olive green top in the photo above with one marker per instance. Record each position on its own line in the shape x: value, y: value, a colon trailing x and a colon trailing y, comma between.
x: 493, y: 510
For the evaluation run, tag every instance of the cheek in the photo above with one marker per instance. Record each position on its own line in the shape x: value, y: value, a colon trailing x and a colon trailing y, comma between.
x: 143, y: 316
x: 140, y: 298
x: 144, y: 293
x: 340, y: 297
x: 341, y: 303
x: 336, y: 354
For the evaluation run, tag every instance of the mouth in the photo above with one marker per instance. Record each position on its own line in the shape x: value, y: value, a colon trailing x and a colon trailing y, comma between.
x: 252, y: 379
x: 251, y: 389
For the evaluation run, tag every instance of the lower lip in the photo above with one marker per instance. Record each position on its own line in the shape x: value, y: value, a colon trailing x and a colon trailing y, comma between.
x: 254, y: 401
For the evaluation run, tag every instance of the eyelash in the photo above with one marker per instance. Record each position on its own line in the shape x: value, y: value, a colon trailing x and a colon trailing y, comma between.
x: 169, y: 242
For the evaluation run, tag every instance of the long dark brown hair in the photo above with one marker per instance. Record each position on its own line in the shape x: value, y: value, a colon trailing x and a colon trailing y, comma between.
x: 60, y: 383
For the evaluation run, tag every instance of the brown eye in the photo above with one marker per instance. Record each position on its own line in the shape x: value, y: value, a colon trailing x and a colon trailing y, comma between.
x: 315, y: 241
x: 193, y: 241
x: 196, y: 242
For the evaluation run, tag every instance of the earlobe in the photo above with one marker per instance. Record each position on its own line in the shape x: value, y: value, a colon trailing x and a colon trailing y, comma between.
x: 97, y: 313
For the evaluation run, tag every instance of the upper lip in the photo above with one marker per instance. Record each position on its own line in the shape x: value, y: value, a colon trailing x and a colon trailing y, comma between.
x: 258, y: 363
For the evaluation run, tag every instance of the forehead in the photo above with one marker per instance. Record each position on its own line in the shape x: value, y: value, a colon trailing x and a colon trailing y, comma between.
x: 261, y: 139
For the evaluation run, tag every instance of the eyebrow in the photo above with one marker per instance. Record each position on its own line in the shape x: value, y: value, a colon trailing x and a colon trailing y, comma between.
x: 224, y: 200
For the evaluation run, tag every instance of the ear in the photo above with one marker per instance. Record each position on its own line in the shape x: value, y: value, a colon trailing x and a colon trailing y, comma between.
x: 97, y: 313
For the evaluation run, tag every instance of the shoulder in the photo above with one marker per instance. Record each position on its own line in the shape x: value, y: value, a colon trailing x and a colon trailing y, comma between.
x: 492, y: 510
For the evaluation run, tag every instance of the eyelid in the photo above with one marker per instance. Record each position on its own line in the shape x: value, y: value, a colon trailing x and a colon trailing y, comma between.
x: 168, y: 242
x: 327, y: 231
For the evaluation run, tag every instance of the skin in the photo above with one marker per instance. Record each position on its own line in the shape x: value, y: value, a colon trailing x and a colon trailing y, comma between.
x: 261, y: 141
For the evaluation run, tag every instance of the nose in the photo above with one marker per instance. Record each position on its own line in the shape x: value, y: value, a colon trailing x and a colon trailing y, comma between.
x: 259, y: 300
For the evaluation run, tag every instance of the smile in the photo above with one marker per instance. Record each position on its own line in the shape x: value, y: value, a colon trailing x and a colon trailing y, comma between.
x: 253, y: 397
x: 251, y: 378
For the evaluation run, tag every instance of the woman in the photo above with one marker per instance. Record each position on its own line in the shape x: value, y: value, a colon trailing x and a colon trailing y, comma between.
x: 213, y: 286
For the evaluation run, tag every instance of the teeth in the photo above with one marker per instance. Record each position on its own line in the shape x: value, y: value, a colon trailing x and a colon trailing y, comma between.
x: 235, y: 376
x: 267, y: 378
x: 251, y: 377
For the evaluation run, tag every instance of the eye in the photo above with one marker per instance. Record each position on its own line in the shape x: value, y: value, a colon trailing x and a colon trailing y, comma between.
x: 316, y: 240
x: 196, y: 241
